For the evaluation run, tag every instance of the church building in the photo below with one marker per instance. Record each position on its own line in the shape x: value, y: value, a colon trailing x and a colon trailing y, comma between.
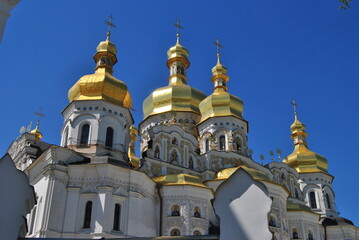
x: 94, y: 186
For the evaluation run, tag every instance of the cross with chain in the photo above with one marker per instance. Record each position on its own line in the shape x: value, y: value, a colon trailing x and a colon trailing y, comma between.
x: 178, y: 26
x: 294, y: 106
x: 110, y: 25
x: 219, y: 46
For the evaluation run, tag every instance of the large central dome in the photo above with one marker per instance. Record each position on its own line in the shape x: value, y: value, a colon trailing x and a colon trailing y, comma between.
x: 177, y: 96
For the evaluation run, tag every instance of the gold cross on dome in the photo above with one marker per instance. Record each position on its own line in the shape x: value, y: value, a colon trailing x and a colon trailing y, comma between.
x: 178, y: 26
x: 294, y: 107
x: 219, y: 46
x: 110, y: 25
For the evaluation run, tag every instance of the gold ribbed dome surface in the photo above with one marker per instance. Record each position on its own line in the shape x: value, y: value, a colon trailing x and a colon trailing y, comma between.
x: 227, y: 172
x: 102, y: 85
x: 177, y: 51
x: 179, y: 179
x: 107, y: 46
x: 302, y: 158
x: 306, y: 161
x: 219, y: 104
x: 176, y: 97
x: 37, y: 133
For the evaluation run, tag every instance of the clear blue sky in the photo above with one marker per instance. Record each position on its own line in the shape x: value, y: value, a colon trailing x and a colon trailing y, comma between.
x: 274, y: 50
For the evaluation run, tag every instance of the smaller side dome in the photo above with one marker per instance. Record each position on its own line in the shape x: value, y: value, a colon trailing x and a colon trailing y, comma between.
x: 227, y: 172
x: 36, y: 132
x: 220, y: 103
x: 302, y: 158
x: 179, y: 179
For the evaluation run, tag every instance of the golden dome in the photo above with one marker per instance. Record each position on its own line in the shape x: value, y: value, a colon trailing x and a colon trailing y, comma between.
x: 36, y: 132
x: 302, y: 159
x: 177, y: 96
x: 106, y: 46
x: 177, y: 51
x: 102, y: 85
x: 179, y: 179
x: 227, y: 172
x: 220, y: 103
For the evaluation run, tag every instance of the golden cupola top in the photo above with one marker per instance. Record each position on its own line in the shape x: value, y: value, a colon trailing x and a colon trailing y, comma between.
x: 220, y: 103
x: 177, y: 96
x: 102, y: 85
x: 302, y: 159
x: 36, y: 132
x: 224, y: 174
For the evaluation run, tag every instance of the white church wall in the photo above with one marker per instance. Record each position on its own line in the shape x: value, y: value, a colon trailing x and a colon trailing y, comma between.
x: 186, y: 197
x: 242, y: 205
x: 16, y: 201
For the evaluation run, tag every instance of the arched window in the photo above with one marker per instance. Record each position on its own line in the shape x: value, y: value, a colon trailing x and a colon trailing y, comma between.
x: 312, y: 200
x: 190, y: 163
x: 109, y: 137
x: 272, y: 222
x: 116, y: 218
x: 238, y: 144
x: 157, y: 152
x: 207, y: 145
x: 197, y: 233
x: 85, y: 133
x: 174, y: 156
x: 222, y: 143
x: 296, y: 193
x: 310, y: 236
x: 174, y: 141
x: 88, y: 212
x: 175, y: 211
x: 175, y: 232
x: 295, y: 234
x: 197, y: 212
x: 328, y: 201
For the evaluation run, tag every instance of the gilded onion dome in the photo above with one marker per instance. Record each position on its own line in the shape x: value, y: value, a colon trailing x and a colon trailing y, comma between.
x: 227, y: 172
x: 179, y: 179
x: 220, y: 103
x: 302, y: 159
x: 102, y: 85
x: 36, y: 132
x: 177, y: 96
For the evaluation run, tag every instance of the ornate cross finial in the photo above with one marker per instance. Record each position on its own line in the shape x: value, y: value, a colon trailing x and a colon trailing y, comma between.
x: 178, y: 26
x: 219, y: 46
x: 294, y: 107
x: 110, y: 25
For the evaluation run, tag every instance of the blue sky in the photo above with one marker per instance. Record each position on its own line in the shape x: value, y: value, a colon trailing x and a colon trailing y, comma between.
x: 274, y: 50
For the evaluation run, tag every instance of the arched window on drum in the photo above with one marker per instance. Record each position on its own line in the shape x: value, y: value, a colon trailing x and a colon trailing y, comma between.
x: 85, y: 134
x: 238, y: 144
x: 222, y: 143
